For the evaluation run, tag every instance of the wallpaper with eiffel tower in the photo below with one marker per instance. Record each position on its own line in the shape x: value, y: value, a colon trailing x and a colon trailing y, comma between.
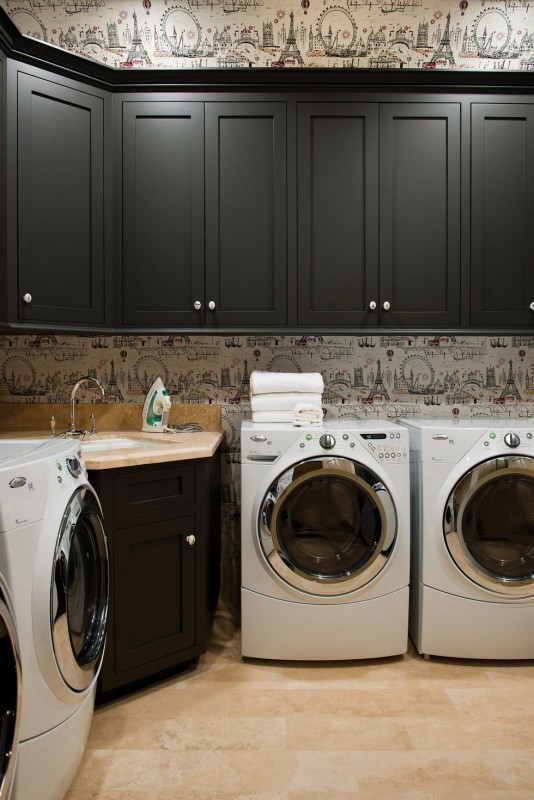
x: 366, y: 377
x: 230, y: 34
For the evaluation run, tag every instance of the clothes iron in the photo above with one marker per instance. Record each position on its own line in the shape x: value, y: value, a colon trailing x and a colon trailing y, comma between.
x: 156, y: 408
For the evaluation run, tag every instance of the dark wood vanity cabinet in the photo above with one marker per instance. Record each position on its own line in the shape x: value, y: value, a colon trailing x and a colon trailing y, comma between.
x: 57, y: 232
x: 163, y: 530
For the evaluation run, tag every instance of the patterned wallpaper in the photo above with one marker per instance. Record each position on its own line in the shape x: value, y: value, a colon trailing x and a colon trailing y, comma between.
x: 366, y: 377
x: 227, y: 34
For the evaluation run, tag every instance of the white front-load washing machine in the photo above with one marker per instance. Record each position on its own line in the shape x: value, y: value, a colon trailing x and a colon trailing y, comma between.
x: 324, y: 540
x: 53, y: 556
x: 473, y: 538
x: 10, y: 691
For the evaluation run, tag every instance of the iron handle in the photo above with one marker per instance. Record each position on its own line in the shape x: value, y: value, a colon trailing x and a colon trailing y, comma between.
x: 386, y: 306
x: 211, y: 305
x: 197, y: 305
x: 372, y: 305
x: 190, y: 540
x: 27, y: 298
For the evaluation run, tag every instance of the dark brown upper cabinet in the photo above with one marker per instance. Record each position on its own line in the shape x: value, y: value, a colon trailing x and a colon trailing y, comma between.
x: 502, y: 214
x: 56, y: 212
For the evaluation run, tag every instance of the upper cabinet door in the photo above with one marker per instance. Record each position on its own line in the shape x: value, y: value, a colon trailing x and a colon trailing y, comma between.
x: 162, y: 213
x: 337, y: 196
x: 502, y: 217
x: 246, y: 218
x: 420, y: 214
x: 59, y: 188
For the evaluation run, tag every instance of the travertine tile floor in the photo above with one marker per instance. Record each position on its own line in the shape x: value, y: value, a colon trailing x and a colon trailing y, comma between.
x: 402, y: 728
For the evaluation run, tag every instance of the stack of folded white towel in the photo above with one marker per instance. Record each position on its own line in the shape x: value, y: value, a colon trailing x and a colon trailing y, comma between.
x: 294, y: 397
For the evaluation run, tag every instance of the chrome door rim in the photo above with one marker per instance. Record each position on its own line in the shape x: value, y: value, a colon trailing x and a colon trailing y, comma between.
x: 454, y: 539
x: 78, y: 677
x: 327, y: 586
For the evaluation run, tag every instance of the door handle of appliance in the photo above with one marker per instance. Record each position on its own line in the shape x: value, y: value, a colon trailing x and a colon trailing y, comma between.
x: 190, y: 540
x: 372, y: 305
x: 211, y: 305
x: 386, y: 305
x: 197, y: 305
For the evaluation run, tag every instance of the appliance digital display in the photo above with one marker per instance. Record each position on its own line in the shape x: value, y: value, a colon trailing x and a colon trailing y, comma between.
x: 373, y: 435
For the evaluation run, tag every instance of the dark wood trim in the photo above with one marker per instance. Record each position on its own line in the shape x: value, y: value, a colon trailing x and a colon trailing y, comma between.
x: 40, y: 54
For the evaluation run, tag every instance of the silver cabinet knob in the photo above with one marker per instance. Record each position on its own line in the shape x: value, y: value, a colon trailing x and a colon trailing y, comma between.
x: 190, y: 540
x: 531, y: 306
x: 197, y: 305
x: 27, y: 298
x: 386, y: 306
x: 211, y: 305
x: 372, y: 305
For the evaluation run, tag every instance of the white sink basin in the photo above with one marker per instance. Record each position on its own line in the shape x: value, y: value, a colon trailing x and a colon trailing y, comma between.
x: 116, y: 443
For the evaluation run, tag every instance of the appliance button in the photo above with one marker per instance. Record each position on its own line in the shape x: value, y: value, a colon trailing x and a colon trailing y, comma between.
x: 258, y: 438
x: 327, y: 441
x: 512, y: 440
x: 345, y: 436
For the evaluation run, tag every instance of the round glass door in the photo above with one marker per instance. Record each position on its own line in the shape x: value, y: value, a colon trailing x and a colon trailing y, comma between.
x: 327, y: 526
x: 10, y: 696
x: 80, y: 591
x: 489, y: 525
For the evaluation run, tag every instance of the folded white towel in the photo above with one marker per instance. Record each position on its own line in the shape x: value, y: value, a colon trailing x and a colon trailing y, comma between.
x: 267, y: 382
x: 272, y: 416
x: 307, y: 414
x: 283, y: 401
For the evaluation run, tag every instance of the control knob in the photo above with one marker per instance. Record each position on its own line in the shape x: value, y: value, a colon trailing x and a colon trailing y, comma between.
x: 327, y: 441
x: 74, y: 467
x: 512, y: 440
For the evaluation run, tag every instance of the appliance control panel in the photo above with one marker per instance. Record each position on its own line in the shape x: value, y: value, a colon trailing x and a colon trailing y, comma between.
x: 384, y: 446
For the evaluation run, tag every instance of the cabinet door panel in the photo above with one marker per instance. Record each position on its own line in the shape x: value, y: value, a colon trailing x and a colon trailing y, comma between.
x: 162, y: 213
x: 420, y: 213
x: 154, y: 587
x: 502, y: 222
x: 246, y: 228
x: 60, y: 203
x: 337, y: 213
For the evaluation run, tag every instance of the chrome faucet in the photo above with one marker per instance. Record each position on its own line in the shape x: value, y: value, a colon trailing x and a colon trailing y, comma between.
x: 87, y: 379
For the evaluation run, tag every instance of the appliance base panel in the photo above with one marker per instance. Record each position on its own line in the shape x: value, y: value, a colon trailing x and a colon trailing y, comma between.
x: 276, y: 629
x: 47, y: 764
x: 456, y: 627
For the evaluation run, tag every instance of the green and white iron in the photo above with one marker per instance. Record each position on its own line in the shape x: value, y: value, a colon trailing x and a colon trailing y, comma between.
x: 156, y: 408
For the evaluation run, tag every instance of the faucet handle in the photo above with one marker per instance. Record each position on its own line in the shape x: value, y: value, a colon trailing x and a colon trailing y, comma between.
x: 52, y: 426
x: 93, y: 423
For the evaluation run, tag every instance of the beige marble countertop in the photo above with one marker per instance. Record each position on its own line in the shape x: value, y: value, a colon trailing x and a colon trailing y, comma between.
x: 116, y: 421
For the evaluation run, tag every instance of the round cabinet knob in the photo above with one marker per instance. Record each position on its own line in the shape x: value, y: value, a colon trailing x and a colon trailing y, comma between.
x: 190, y: 540
x: 327, y: 441
x: 211, y: 305
x: 512, y: 440
x: 386, y: 306
x: 197, y: 305
x: 74, y: 467
x: 372, y: 305
x: 27, y: 298
x: 532, y: 306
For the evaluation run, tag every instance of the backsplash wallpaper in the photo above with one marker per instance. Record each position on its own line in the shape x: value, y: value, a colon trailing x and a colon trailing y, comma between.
x: 229, y: 34
x: 366, y: 377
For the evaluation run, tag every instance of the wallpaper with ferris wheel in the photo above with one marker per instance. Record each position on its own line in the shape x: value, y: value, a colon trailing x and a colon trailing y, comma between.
x: 229, y: 34
x: 366, y: 377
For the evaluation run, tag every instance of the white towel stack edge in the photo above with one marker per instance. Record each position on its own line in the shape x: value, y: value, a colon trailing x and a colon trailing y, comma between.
x: 287, y: 397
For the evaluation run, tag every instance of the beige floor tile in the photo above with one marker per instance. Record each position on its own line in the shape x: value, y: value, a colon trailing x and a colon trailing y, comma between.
x: 402, y: 728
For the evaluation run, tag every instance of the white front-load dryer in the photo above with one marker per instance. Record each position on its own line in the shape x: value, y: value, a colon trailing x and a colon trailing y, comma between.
x: 324, y: 540
x: 473, y: 538
x: 10, y: 691
x: 53, y: 556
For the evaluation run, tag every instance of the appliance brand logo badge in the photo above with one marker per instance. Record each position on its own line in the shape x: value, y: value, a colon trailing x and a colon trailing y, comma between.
x: 20, y: 521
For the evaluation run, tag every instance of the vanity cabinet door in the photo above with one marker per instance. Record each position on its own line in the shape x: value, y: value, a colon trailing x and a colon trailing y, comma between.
x: 57, y: 252
x: 502, y: 217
